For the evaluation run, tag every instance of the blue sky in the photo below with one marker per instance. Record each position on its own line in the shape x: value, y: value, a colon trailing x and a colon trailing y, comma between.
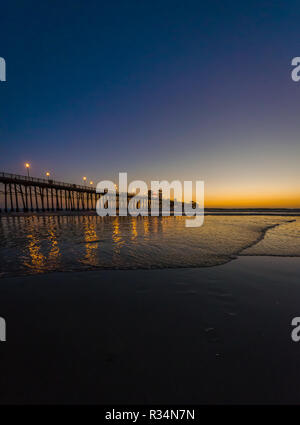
x: 160, y: 89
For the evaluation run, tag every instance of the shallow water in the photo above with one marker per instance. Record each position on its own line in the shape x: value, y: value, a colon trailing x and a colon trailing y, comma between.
x: 283, y: 240
x: 31, y: 245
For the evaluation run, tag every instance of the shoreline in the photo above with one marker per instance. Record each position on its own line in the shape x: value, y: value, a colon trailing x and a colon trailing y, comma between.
x: 146, y: 269
x: 242, y: 252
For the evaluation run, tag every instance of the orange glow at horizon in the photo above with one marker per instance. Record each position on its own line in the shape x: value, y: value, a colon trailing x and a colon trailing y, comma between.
x: 253, y: 200
x: 252, y: 196
x: 248, y: 197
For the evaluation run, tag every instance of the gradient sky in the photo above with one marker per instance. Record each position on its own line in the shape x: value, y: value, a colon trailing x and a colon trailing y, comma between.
x: 160, y: 89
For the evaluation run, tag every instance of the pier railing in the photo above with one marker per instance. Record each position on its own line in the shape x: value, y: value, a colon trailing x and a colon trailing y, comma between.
x: 5, y: 177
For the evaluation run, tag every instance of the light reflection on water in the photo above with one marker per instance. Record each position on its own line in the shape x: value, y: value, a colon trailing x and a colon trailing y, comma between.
x: 31, y: 245
x: 91, y: 245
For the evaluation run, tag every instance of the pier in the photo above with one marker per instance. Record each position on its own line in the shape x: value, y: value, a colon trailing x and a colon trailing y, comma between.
x: 30, y: 194
x: 24, y: 193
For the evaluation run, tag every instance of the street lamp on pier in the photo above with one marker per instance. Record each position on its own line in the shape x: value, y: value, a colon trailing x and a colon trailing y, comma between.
x: 27, y: 166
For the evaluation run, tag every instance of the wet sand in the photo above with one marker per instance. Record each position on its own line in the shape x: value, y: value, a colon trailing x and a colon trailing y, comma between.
x: 208, y: 335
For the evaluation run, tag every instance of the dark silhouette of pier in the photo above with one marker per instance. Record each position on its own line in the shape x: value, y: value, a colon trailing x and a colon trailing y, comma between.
x: 24, y: 193
x: 31, y: 194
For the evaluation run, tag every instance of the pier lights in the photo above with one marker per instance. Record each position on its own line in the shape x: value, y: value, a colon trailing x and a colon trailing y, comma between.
x: 91, y: 182
x: 47, y: 175
x: 84, y: 179
x: 27, y: 166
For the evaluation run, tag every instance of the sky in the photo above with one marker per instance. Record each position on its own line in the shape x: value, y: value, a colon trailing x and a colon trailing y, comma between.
x: 158, y: 89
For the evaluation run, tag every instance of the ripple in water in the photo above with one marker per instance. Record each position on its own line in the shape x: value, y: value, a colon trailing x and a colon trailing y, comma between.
x: 31, y: 245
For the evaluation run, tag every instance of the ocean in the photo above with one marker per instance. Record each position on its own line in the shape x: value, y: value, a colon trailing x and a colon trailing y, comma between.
x: 42, y: 244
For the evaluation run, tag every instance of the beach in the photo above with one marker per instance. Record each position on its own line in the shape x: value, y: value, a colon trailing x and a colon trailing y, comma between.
x: 206, y: 335
x: 149, y: 205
